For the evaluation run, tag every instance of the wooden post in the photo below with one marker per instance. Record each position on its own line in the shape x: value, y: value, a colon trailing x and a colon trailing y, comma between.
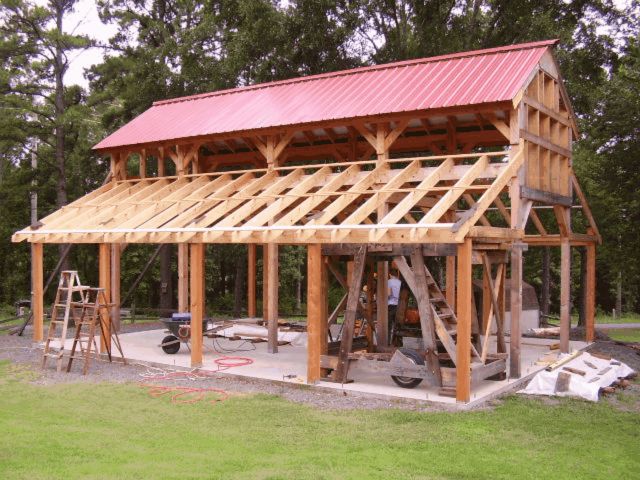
x: 143, y: 163
x: 316, y: 322
x: 518, y: 220
x: 502, y: 304
x: 104, y: 275
x: 516, y: 310
x: 463, y: 344
x: 265, y: 283
x: 196, y: 284
x: 370, y: 297
x: 590, y: 307
x: 37, y: 291
x: 115, y: 285
x: 161, y: 167
x: 565, y: 294
x: 450, y: 282
x: 272, y: 294
x: 183, y: 277
x: 486, y: 298
x: 251, y: 280
x: 382, y: 307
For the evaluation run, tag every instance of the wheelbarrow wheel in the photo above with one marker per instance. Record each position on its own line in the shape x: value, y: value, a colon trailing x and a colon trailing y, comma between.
x: 174, y: 344
x: 408, y: 382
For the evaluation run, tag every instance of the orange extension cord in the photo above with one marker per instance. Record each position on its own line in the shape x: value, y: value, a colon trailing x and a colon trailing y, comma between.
x: 190, y: 395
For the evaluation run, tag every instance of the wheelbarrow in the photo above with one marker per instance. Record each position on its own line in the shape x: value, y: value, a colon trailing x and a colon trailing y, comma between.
x: 179, y: 328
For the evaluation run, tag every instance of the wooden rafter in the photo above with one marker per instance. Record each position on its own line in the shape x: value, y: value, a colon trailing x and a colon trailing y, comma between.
x: 320, y: 204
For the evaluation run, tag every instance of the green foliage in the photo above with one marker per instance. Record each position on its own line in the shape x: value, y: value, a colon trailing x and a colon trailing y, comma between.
x: 165, y: 49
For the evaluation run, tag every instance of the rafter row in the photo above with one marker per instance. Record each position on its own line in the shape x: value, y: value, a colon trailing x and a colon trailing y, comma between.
x: 320, y: 203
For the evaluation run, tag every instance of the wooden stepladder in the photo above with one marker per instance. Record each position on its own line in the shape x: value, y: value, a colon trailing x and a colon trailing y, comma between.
x: 70, y: 297
x: 94, y: 314
x: 89, y: 310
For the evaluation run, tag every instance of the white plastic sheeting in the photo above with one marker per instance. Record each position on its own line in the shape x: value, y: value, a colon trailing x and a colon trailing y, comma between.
x: 587, y: 386
x: 298, y: 339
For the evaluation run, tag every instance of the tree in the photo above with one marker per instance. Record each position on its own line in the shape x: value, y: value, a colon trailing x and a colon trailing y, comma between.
x: 607, y: 163
x: 35, y: 49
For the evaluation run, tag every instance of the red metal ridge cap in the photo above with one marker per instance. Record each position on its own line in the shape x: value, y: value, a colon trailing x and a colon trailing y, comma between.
x: 339, y: 73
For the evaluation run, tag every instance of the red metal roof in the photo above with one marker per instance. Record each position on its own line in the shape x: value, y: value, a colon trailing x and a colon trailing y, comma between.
x: 466, y: 78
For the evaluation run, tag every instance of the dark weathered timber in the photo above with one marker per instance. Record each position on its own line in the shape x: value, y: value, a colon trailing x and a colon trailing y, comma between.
x: 353, y: 301
x: 427, y: 322
x: 545, y: 197
x: 421, y: 293
x: 389, y: 250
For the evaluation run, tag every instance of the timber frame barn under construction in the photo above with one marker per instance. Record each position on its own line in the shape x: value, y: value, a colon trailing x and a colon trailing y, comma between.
x: 450, y: 156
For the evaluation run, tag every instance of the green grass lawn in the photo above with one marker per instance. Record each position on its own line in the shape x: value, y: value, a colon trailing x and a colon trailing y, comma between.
x: 117, y: 431
x: 625, y: 334
x: 605, y: 318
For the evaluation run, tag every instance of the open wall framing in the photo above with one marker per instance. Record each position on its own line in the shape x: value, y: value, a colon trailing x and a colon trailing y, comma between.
x: 461, y: 180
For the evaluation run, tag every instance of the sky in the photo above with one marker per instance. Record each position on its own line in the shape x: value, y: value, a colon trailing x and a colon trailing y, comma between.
x: 85, y: 20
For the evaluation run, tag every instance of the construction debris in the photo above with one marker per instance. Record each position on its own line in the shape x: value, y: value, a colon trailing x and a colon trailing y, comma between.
x: 573, y: 381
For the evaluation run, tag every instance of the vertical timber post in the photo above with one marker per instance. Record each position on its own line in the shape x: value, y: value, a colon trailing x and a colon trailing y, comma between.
x: 37, y: 291
x: 251, y: 280
x: 450, y: 282
x: 464, y: 294
x: 115, y: 284
x: 104, y: 280
x: 516, y: 311
x: 197, y: 298
x: 183, y: 277
x: 590, y: 307
x: 272, y: 294
x: 265, y: 283
x: 382, y: 307
x: 519, y: 214
x: 316, y: 321
x: 565, y: 294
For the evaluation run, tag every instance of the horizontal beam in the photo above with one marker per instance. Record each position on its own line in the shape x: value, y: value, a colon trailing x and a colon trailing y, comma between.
x: 545, y: 197
x: 391, y: 250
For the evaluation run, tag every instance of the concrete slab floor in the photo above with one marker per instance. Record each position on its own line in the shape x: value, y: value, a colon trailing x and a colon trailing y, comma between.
x: 289, y: 365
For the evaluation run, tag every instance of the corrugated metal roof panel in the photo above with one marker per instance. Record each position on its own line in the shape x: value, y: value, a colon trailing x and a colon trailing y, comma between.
x: 459, y: 79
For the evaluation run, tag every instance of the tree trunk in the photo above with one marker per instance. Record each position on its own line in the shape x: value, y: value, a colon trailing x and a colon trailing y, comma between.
x: 238, y: 286
x: 545, y: 298
x: 299, y: 292
x: 59, y: 108
x: 166, y: 280
x: 619, y: 296
x: 583, y: 291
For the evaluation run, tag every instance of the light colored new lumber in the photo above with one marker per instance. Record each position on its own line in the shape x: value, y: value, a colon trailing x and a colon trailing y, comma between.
x: 104, y: 281
x: 37, y: 291
x: 453, y: 194
x: 272, y: 294
x: 463, y: 314
x: 410, y: 200
x: 197, y: 303
x: 315, y: 320
x: 377, y: 199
